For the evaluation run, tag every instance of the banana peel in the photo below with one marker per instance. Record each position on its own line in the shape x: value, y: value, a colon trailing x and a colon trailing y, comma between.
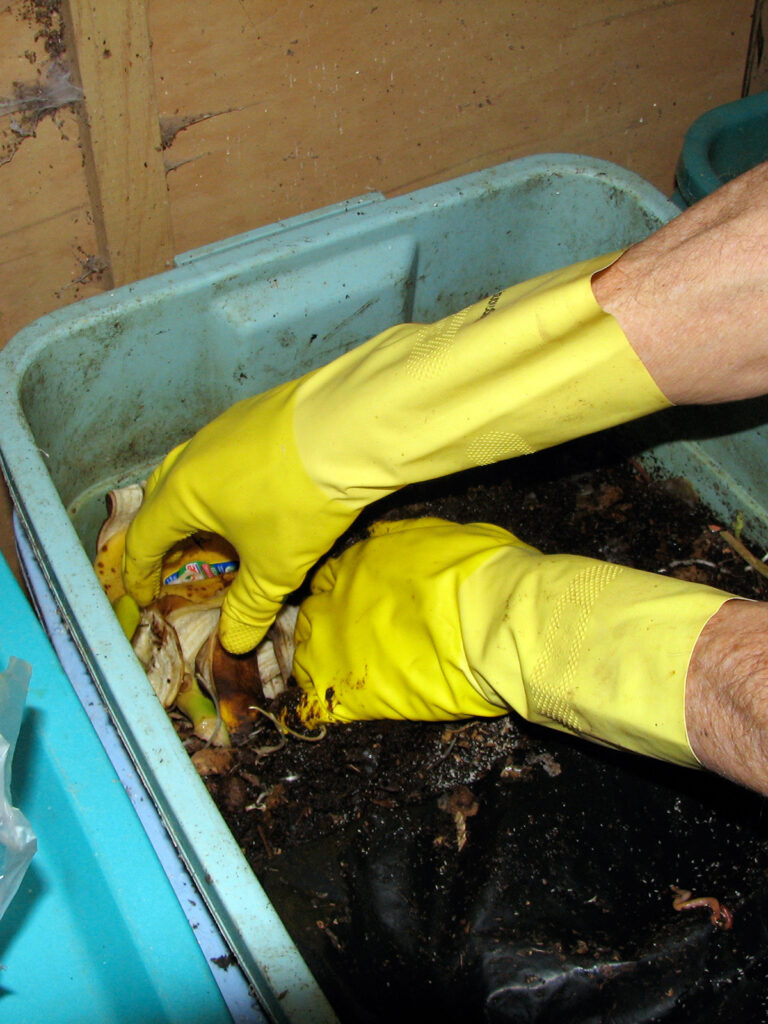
x: 234, y: 680
x: 128, y: 614
x: 204, y: 548
x: 200, y: 710
x: 190, y: 700
x: 176, y: 637
x: 157, y: 647
x: 122, y: 505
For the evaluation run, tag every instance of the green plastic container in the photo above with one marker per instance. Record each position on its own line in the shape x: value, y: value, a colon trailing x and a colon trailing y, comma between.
x: 722, y: 144
x: 94, y: 394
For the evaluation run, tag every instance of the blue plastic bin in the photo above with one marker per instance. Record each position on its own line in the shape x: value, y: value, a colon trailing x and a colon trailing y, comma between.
x: 95, y: 932
x: 97, y: 392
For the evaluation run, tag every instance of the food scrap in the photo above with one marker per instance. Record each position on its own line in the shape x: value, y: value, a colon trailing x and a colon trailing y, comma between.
x: 176, y: 637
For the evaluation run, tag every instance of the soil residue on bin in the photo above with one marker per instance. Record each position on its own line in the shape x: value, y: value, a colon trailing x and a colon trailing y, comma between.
x: 491, y: 870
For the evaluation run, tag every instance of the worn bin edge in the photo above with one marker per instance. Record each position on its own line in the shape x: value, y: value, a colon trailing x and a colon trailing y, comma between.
x: 73, y: 582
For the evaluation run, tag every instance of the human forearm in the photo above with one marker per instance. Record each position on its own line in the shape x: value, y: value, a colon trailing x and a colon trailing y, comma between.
x: 281, y: 475
x: 692, y: 297
x: 726, y: 702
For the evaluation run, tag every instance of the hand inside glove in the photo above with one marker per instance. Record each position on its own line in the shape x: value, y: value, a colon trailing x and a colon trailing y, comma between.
x: 282, y: 475
x: 430, y: 620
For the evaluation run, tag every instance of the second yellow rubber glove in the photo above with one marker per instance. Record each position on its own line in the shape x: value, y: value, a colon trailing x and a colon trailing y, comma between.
x: 281, y: 475
x: 428, y: 620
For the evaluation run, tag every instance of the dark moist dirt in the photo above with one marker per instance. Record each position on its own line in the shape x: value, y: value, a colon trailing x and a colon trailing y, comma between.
x: 492, y: 870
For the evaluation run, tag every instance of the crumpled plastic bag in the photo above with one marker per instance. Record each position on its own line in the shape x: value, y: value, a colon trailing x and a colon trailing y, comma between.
x: 558, y: 908
x: 18, y: 842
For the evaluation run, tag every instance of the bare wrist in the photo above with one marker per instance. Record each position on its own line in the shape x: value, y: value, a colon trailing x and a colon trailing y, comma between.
x: 726, y: 700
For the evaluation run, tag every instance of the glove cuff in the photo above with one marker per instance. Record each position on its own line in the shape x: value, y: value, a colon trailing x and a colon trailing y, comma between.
x: 536, y: 365
x: 603, y: 650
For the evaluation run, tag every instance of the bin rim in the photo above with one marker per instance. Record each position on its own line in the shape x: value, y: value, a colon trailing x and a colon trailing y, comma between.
x: 74, y: 585
x: 695, y: 174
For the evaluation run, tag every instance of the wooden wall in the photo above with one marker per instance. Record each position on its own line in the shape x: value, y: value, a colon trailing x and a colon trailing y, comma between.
x: 756, y: 70
x: 200, y: 120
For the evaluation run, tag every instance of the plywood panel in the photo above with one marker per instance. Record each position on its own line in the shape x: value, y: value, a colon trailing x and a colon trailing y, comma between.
x: 310, y: 103
x: 46, y: 231
x: 756, y: 71
x: 270, y: 108
x: 47, y: 241
x: 121, y: 136
x: 45, y: 247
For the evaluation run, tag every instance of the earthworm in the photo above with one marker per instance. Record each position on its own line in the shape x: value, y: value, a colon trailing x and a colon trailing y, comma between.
x: 719, y: 914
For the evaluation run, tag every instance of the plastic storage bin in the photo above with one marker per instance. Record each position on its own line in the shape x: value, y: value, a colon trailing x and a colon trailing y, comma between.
x: 95, y: 932
x: 722, y: 144
x: 96, y: 393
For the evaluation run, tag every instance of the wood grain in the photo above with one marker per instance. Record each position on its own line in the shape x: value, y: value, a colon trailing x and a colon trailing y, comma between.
x: 121, y: 136
x: 269, y: 109
x: 756, y: 70
x: 313, y: 103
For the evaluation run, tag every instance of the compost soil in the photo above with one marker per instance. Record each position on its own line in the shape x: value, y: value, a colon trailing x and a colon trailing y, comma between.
x: 492, y: 870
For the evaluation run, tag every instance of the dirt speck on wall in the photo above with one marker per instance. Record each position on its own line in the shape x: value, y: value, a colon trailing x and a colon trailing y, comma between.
x: 47, y: 89
x: 46, y: 15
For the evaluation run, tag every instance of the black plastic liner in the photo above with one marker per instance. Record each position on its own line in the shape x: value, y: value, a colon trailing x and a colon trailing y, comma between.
x: 551, y: 900
x: 558, y: 908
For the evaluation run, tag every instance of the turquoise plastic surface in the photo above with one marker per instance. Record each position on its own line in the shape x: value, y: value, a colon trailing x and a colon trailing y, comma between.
x: 95, y: 932
x: 722, y: 144
x: 97, y: 392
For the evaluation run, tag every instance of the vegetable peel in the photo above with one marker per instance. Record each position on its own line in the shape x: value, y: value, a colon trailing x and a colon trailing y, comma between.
x: 176, y: 637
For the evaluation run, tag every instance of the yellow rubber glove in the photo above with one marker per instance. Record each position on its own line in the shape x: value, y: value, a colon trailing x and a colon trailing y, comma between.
x: 428, y: 620
x: 281, y: 475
